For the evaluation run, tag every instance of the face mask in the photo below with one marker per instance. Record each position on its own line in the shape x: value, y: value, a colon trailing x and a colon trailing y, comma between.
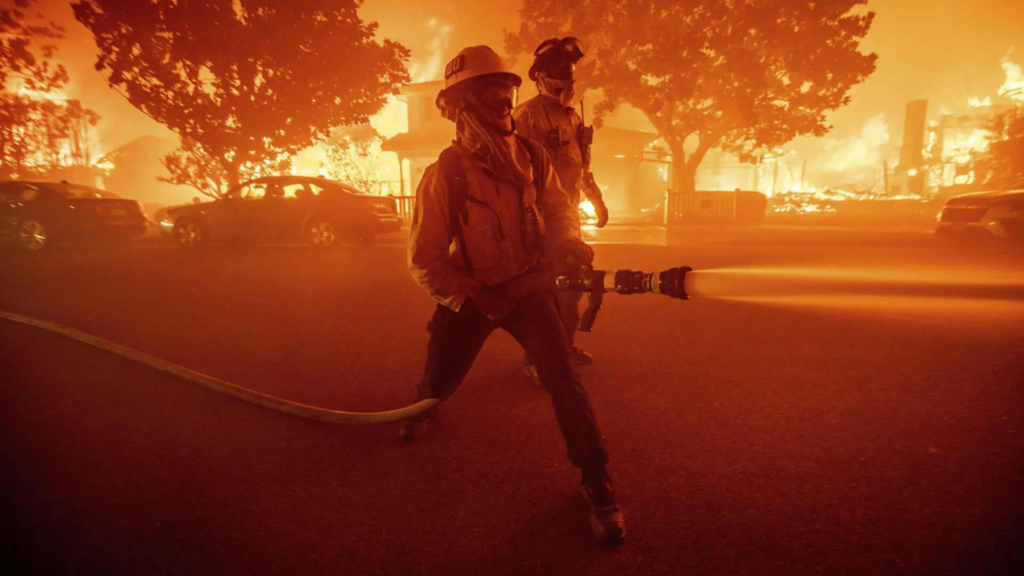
x: 562, y: 90
x: 494, y: 104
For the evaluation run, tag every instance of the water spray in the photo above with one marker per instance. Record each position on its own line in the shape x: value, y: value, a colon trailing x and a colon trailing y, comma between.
x: 753, y: 284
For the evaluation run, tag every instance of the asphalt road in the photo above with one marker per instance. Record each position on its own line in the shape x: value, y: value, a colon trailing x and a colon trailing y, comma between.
x: 819, y: 432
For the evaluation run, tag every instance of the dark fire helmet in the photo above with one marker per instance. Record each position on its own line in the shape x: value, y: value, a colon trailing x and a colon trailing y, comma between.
x: 556, y: 57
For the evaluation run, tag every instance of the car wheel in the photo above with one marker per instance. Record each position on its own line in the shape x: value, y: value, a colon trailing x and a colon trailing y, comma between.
x: 321, y: 233
x: 189, y: 233
x: 32, y: 235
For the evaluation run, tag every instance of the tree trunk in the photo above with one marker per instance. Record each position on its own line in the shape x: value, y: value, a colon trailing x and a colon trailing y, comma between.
x: 684, y: 176
x: 231, y: 171
x: 684, y: 168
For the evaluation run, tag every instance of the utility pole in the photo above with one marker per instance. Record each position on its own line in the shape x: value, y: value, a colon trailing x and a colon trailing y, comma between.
x: 885, y: 176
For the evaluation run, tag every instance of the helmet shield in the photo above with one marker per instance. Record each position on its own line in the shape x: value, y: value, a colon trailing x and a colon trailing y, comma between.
x: 495, y: 95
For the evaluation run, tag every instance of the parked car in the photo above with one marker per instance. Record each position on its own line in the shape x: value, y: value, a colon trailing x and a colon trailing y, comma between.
x: 34, y: 215
x: 314, y: 210
x: 984, y: 214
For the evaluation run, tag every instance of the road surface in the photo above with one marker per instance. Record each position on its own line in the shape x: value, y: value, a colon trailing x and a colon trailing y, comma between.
x: 827, y: 433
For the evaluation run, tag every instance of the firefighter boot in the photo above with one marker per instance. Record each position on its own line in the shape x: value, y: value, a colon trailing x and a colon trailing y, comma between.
x: 606, y: 518
x: 580, y: 356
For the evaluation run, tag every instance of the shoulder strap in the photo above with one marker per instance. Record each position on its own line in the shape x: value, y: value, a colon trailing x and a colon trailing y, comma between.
x: 454, y: 177
x: 539, y: 161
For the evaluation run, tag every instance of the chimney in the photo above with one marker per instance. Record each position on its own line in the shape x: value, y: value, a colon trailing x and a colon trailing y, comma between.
x: 913, y: 145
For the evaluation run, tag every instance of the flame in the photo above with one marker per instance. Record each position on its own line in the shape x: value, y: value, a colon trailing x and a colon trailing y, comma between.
x: 1013, y: 87
x: 392, y: 119
x: 979, y: 102
x: 66, y: 154
x: 965, y: 144
x: 57, y: 96
x: 587, y: 207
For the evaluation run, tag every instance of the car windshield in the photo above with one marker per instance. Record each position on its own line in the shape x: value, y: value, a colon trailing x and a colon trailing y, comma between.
x: 335, y: 186
x: 352, y: 190
x: 248, y: 191
x: 79, y: 191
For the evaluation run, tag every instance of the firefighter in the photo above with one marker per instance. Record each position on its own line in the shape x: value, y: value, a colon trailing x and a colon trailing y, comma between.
x: 551, y: 119
x: 484, y: 213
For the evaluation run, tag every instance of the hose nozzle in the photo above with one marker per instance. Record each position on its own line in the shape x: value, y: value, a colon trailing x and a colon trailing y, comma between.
x: 671, y: 282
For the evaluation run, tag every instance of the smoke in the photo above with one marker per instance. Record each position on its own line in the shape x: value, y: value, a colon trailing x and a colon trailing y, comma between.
x: 863, y: 150
x: 440, y: 34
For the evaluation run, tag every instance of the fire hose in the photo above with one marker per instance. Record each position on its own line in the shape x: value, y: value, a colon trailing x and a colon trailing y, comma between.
x: 670, y: 282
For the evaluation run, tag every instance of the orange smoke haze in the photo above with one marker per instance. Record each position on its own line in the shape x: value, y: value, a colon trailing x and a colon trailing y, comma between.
x: 946, y: 51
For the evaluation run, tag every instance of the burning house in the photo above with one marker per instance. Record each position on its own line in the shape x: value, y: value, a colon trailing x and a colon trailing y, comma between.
x: 958, y: 142
x: 626, y: 163
x: 428, y: 133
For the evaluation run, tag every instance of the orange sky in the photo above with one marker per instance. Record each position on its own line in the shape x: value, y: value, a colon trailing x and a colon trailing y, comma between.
x: 942, y: 50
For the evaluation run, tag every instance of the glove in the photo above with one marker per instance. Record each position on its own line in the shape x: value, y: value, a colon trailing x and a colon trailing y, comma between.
x: 491, y: 303
x: 572, y: 253
x: 602, y: 212
x: 593, y: 193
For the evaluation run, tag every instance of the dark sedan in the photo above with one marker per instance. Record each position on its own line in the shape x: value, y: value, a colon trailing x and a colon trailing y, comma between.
x: 34, y: 215
x: 314, y: 210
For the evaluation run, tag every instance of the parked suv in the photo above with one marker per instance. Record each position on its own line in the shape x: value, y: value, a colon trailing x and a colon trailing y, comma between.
x: 984, y: 214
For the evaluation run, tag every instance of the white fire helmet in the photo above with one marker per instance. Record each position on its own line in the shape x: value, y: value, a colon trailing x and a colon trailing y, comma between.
x: 474, y: 62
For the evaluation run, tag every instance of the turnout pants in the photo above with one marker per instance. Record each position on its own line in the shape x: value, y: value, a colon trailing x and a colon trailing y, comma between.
x: 457, y: 337
x: 569, y: 310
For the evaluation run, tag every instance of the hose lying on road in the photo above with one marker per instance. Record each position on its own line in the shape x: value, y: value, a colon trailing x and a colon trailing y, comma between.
x: 265, y: 400
x: 670, y: 282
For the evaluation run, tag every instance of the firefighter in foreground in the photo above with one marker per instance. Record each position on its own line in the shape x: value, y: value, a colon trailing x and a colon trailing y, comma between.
x: 485, y: 211
x: 551, y: 119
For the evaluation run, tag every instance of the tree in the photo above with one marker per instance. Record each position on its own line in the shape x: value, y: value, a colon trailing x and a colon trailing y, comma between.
x: 248, y: 81
x: 40, y: 129
x: 65, y: 132
x: 190, y: 165
x: 26, y: 51
x: 40, y: 133
x: 741, y: 75
x: 353, y: 153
